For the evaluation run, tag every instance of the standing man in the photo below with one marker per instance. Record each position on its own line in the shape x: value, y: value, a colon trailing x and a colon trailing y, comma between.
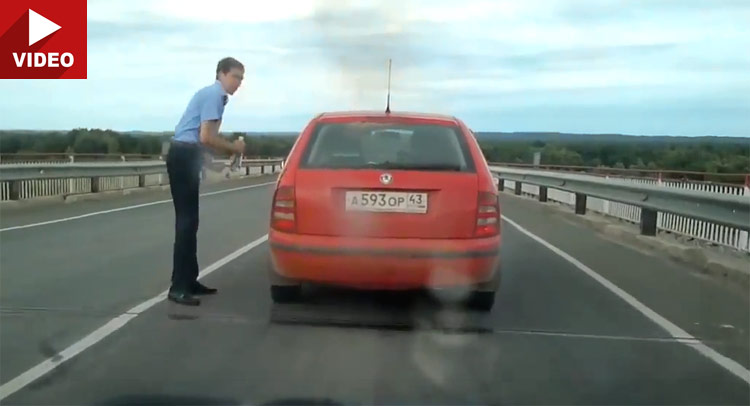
x: 198, y: 128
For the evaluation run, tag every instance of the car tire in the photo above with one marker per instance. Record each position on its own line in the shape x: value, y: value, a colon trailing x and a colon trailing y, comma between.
x: 482, y: 300
x: 286, y: 293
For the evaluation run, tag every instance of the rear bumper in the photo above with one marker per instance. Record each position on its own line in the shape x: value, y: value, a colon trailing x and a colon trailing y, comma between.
x: 382, y: 263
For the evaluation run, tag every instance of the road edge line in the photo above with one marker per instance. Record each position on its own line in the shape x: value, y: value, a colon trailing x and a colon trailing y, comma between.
x: 675, y: 331
x: 136, y: 206
x: 116, y: 323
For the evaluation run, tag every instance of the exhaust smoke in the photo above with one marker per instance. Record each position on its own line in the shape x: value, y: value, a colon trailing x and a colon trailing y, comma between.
x: 358, y: 40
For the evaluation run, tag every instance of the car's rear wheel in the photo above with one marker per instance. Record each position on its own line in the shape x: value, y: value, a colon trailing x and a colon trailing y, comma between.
x: 483, y: 296
x: 482, y: 300
x: 283, y: 289
x: 286, y: 293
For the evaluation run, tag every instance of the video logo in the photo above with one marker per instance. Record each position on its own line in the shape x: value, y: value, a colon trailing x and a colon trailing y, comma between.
x: 43, y: 39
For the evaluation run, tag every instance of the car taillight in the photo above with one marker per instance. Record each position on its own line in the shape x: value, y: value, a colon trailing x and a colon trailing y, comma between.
x: 488, y: 215
x: 282, y: 215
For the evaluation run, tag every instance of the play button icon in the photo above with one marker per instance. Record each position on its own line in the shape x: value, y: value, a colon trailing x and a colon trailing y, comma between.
x: 39, y: 27
x: 43, y: 39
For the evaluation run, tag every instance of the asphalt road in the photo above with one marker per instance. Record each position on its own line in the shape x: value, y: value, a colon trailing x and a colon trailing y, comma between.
x: 556, y: 336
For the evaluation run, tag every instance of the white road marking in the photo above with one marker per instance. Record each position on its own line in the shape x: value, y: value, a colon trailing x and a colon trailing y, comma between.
x: 681, y: 335
x: 137, y: 206
x: 597, y: 336
x: 110, y: 327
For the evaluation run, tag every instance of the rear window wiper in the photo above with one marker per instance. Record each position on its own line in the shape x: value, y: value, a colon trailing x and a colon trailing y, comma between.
x: 383, y: 165
x: 426, y: 167
x: 393, y: 165
x: 414, y: 167
x: 432, y: 167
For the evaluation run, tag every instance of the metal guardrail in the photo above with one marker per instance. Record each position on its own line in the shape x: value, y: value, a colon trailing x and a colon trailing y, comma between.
x: 734, y: 179
x: 17, y: 172
x: 92, y: 177
x: 46, y: 158
x: 33, y: 158
x: 729, y: 210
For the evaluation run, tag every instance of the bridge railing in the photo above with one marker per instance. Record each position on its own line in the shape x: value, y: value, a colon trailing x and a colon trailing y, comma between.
x: 698, y: 178
x: 20, y: 181
x: 717, y: 213
x: 34, y: 158
x: 39, y: 158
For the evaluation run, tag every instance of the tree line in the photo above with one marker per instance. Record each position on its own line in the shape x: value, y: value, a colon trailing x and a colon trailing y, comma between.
x: 79, y: 141
x: 698, y: 157
x: 701, y: 155
x: 96, y: 141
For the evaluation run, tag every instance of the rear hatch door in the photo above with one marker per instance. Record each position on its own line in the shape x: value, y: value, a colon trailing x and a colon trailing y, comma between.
x: 386, y: 180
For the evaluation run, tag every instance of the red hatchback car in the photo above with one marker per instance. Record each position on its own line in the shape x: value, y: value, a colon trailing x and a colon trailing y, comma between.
x: 374, y: 200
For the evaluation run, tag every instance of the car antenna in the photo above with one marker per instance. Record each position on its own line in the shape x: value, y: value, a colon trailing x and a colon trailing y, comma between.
x: 388, y: 100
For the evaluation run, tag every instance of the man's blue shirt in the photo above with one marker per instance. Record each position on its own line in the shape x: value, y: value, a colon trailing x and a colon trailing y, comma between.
x: 206, y: 104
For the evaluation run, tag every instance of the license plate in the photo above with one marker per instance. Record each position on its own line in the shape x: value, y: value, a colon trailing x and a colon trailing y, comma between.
x: 394, y: 202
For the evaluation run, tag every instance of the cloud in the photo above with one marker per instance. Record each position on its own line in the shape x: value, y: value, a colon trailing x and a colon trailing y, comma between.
x: 143, y: 27
x: 608, y: 11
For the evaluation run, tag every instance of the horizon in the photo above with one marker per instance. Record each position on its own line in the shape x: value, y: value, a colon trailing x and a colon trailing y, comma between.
x: 296, y: 133
x: 654, y: 68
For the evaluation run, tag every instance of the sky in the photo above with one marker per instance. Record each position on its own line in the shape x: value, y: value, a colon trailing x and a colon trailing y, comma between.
x: 646, y: 67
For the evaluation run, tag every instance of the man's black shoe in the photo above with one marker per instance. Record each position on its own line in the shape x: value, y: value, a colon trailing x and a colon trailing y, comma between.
x: 183, y: 299
x: 201, y: 289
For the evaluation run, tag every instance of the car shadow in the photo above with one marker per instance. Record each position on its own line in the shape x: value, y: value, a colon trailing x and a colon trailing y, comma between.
x: 162, y: 399
x: 385, y: 310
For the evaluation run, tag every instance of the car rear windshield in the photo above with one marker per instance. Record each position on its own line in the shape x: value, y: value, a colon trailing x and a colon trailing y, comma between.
x: 387, y: 146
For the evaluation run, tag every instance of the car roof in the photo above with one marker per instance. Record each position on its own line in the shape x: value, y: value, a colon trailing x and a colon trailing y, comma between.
x: 382, y: 114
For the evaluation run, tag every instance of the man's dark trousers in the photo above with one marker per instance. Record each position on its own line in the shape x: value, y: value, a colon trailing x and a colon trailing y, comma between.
x: 184, y: 163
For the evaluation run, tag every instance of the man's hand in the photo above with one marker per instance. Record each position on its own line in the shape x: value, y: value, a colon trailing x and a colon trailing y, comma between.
x: 209, y: 135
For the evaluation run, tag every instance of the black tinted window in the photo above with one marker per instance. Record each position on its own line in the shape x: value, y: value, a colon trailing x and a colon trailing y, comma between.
x: 387, y: 146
